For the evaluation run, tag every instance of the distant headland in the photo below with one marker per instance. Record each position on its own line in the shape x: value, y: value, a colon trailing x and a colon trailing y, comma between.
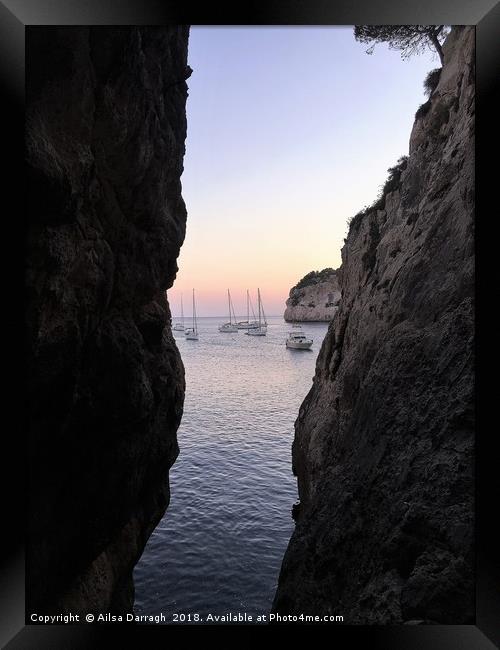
x: 314, y: 298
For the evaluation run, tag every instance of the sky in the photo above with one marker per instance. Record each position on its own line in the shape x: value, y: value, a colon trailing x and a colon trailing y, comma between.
x: 291, y: 131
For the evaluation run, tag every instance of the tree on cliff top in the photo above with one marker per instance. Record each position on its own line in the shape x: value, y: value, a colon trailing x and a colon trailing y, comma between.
x: 409, y: 39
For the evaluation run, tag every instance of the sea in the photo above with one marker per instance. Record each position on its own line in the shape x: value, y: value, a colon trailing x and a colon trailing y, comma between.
x: 219, y: 547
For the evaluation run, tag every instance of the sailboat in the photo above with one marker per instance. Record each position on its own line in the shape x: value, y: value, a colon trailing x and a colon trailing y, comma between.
x: 191, y: 333
x: 179, y: 327
x: 230, y: 326
x: 261, y: 329
x: 248, y: 324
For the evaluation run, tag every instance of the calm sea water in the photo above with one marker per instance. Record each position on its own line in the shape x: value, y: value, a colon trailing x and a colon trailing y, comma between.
x: 219, y: 547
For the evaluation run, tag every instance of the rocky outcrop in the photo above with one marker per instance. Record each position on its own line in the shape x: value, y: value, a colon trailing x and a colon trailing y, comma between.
x: 383, y: 447
x: 314, y: 298
x: 106, y: 128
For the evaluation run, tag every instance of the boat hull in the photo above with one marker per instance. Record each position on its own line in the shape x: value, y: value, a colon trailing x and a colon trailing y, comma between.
x: 228, y: 329
x: 299, y: 345
x: 257, y: 332
x: 191, y: 335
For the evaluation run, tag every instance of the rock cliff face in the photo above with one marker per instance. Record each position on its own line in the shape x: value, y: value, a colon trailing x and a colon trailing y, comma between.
x: 315, y: 298
x: 383, y: 447
x: 106, y: 128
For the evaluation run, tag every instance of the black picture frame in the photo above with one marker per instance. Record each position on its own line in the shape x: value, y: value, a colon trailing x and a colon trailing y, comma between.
x: 15, y: 17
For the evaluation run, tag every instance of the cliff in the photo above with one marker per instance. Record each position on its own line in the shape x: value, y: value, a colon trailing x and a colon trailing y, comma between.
x: 105, y: 139
x: 383, y: 446
x: 314, y: 298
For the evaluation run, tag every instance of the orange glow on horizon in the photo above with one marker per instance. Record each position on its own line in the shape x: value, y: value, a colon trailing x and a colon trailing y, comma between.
x: 239, y: 267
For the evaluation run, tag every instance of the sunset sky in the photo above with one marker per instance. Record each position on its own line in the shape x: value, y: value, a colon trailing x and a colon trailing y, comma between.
x: 290, y: 132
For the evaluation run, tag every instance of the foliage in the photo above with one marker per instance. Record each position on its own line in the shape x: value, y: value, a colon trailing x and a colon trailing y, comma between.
x: 408, y: 39
x: 392, y: 181
x: 431, y: 81
x: 314, y: 277
x: 391, y: 184
x: 423, y: 109
x: 354, y: 222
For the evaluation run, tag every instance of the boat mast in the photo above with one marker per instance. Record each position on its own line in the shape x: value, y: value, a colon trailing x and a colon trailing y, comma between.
x: 182, y: 312
x: 232, y: 307
x: 229, y: 305
x: 248, y: 310
x: 194, y: 315
x: 253, y: 311
x: 258, y: 298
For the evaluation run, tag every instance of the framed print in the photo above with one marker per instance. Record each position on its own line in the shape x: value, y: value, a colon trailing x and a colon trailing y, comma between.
x: 249, y: 389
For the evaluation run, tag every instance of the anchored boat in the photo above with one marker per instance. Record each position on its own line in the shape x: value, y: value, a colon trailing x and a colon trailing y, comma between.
x: 191, y: 333
x: 248, y: 324
x: 231, y: 326
x: 298, y: 341
x: 261, y: 329
x: 179, y: 327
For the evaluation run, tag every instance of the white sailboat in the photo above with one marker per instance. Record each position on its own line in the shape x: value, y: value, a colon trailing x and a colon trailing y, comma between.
x: 191, y: 333
x: 179, y: 327
x: 261, y: 329
x: 248, y: 324
x: 230, y: 326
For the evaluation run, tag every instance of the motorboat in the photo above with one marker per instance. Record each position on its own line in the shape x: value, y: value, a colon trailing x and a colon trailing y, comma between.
x: 298, y: 341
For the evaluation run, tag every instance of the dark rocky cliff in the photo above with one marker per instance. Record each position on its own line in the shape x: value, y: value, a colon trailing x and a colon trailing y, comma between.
x: 383, y: 448
x: 105, y: 136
